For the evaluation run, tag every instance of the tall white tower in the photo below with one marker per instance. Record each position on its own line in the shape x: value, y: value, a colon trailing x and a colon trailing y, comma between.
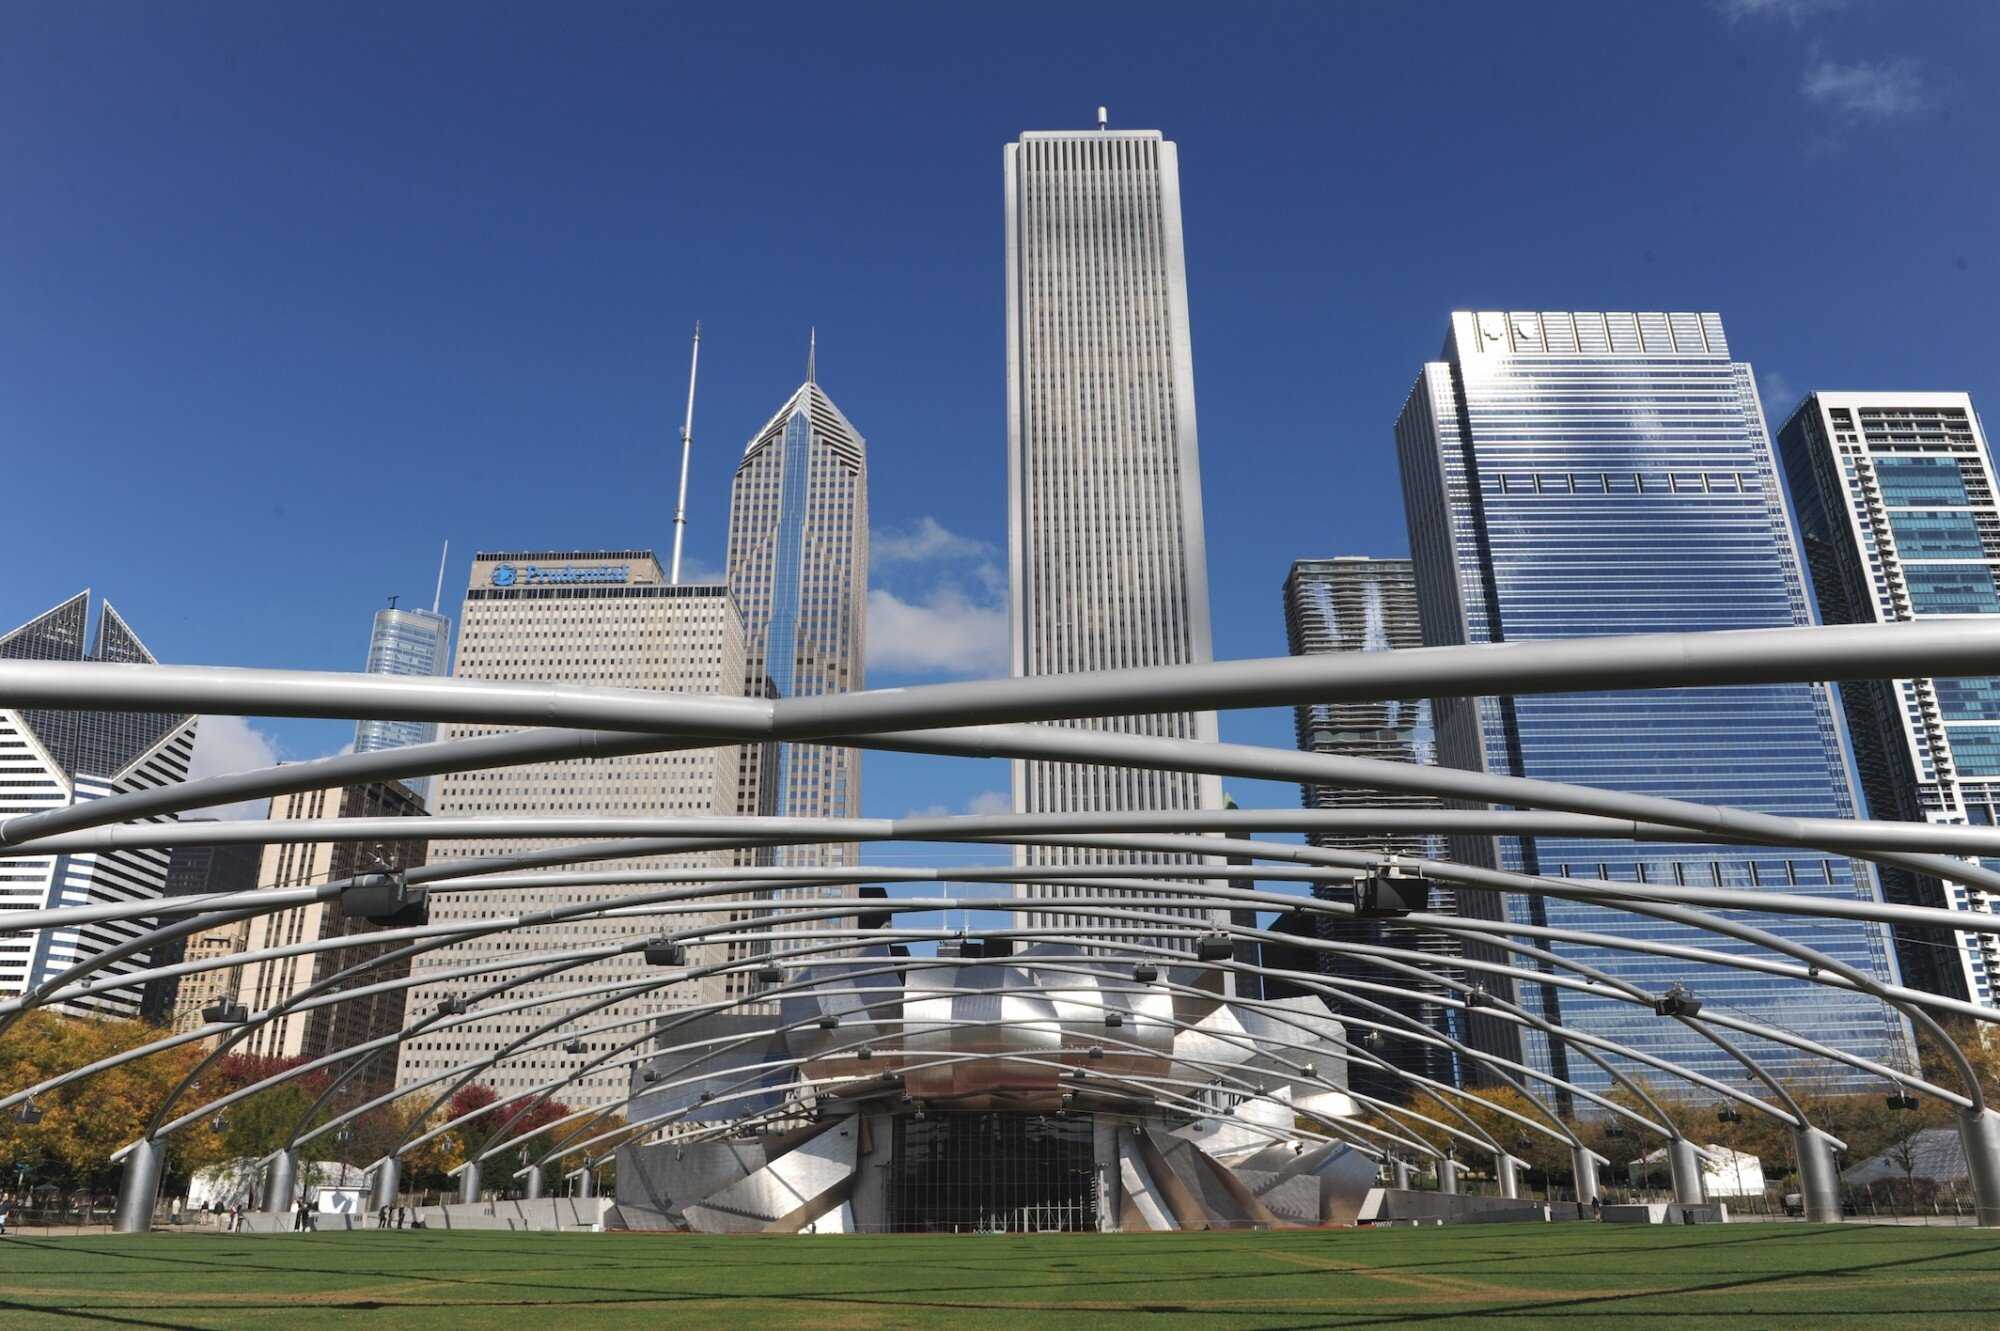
x: 1106, y: 559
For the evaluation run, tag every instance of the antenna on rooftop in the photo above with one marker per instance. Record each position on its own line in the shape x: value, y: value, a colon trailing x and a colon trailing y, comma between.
x: 687, y: 446
x: 437, y: 597
x: 1103, y: 117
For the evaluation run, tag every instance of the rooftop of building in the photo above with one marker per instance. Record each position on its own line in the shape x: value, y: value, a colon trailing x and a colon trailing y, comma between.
x: 490, y: 555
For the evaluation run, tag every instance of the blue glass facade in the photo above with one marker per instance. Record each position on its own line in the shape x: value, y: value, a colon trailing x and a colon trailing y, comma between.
x: 781, y: 632
x: 405, y: 642
x: 1586, y: 475
x: 798, y: 562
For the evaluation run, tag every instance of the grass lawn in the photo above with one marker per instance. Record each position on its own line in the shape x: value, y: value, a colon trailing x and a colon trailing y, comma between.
x: 1827, y: 1278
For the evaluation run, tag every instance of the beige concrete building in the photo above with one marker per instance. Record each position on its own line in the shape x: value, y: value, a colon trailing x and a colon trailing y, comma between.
x: 201, y: 988
x: 263, y: 985
x: 590, y: 618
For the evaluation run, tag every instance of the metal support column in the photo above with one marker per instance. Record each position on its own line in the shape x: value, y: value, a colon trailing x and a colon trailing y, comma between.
x: 531, y: 1183
x: 1819, y: 1175
x: 1980, y: 1133
x: 1447, y: 1176
x: 586, y: 1183
x: 388, y: 1182
x: 468, y: 1182
x: 139, y: 1187
x: 279, y: 1177
x: 1399, y: 1173
x: 1508, y: 1170
x: 1584, y: 1165
x: 1685, y: 1167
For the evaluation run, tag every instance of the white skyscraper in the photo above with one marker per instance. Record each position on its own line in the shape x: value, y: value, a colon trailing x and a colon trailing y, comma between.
x: 1900, y: 510
x: 50, y: 759
x: 1106, y: 561
x: 581, y: 617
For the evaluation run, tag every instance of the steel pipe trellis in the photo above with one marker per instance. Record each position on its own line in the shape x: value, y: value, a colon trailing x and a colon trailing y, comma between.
x: 990, y: 719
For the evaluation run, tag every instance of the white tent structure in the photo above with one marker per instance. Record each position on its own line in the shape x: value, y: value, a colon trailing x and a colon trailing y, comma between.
x: 1724, y: 1173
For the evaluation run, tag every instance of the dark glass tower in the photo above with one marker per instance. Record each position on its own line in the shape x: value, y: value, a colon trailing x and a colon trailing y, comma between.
x: 1355, y: 604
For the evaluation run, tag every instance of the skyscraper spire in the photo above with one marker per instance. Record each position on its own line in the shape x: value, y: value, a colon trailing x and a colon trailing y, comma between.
x: 812, y: 355
x: 687, y: 447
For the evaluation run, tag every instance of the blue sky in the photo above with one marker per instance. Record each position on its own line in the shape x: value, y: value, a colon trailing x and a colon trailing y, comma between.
x: 290, y: 294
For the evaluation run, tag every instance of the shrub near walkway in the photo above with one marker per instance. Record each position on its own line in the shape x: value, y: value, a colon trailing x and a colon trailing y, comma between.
x: 1753, y: 1277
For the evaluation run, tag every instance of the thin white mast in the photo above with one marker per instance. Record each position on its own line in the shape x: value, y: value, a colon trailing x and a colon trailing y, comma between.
x: 687, y: 446
x: 437, y: 597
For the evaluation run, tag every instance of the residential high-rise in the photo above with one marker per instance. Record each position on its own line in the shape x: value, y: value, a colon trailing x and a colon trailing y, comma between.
x: 580, y: 617
x: 1355, y: 604
x: 263, y: 985
x: 1576, y: 475
x: 405, y: 642
x: 51, y: 759
x: 1900, y: 514
x: 798, y: 570
x: 1106, y: 563
x: 193, y: 871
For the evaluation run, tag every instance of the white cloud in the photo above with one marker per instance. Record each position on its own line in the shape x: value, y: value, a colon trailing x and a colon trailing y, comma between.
x: 224, y: 745
x: 929, y: 541
x: 1793, y: 11
x: 985, y: 802
x: 1879, y: 90
x: 990, y: 801
x: 697, y: 570
x: 1778, y: 394
x: 943, y: 632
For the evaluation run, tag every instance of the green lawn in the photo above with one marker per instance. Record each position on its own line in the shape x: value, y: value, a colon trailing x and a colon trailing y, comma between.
x: 1752, y: 1276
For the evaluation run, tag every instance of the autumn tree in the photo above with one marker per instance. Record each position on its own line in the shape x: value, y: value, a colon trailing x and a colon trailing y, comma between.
x: 84, y: 1122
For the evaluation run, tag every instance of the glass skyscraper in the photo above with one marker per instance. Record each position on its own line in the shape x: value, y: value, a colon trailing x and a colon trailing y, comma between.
x: 798, y: 570
x: 1586, y: 474
x: 1355, y: 604
x: 1897, y: 505
x: 405, y: 642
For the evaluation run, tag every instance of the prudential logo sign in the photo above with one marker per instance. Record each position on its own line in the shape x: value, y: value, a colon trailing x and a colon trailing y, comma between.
x: 542, y: 575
